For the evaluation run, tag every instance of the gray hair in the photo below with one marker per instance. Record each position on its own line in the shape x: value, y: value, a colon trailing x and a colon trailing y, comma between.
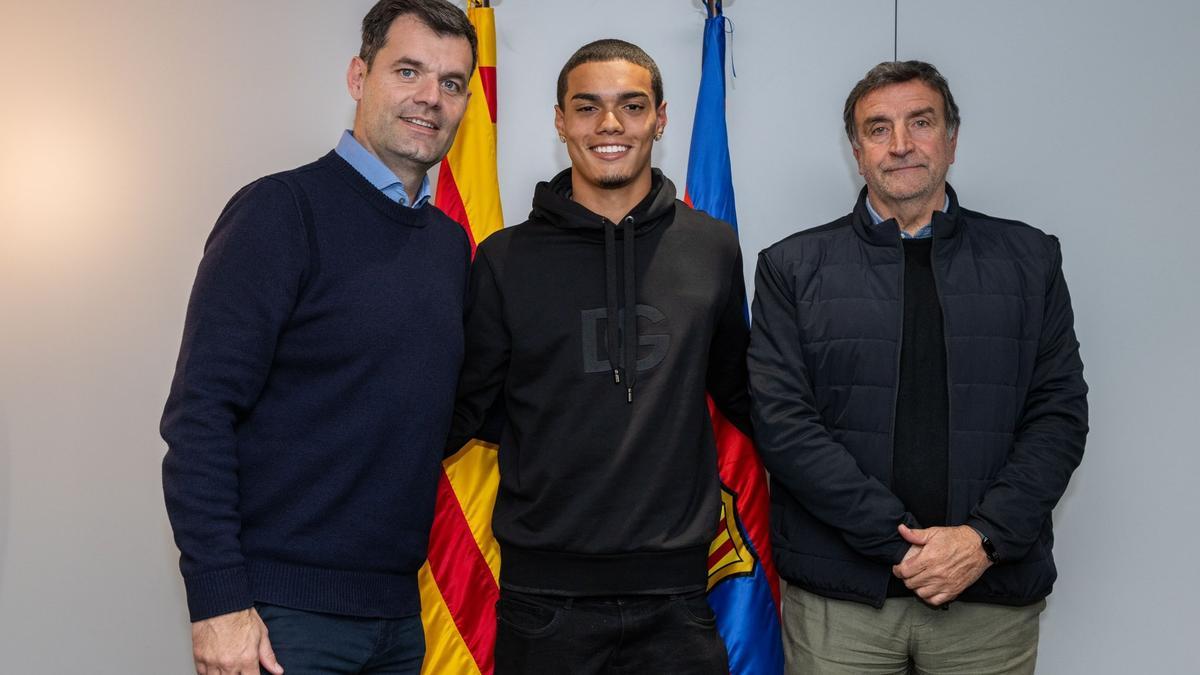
x: 898, y: 72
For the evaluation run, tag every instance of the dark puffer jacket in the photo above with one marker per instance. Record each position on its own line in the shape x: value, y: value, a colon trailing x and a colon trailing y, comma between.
x: 824, y: 368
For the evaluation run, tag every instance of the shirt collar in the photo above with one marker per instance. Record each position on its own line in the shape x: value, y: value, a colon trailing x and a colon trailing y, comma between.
x: 925, y: 232
x: 375, y: 171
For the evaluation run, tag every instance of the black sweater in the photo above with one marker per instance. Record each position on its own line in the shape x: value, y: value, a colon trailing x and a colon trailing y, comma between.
x: 312, y: 396
x: 608, y: 480
x: 919, y: 454
x: 920, y: 449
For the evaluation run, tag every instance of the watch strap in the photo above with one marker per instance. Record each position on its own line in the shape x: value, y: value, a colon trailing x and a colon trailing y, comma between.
x: 989, y: 549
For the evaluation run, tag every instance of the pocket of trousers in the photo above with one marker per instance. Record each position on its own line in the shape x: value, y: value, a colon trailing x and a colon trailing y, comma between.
x: 528, y: 618
x: 697, y: 609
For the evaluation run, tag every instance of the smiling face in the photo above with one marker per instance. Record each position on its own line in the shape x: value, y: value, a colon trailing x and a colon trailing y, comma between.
x: 903, y: 146
x: 411, y: 98
x: 609, y: 119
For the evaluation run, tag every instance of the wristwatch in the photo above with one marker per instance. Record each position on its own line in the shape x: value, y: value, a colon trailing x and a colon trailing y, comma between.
x: 989, y: 549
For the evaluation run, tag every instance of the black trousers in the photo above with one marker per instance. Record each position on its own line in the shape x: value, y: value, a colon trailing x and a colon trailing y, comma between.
x: 544, y: 635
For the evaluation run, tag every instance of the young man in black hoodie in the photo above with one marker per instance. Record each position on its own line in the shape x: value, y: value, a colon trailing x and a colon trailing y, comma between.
x: 602, y: 321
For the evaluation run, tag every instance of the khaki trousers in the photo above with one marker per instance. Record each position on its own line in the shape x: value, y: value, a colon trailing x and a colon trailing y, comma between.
x: 835, y: 637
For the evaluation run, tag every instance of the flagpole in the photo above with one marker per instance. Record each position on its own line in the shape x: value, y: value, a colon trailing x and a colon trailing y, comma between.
x: 712, y: 7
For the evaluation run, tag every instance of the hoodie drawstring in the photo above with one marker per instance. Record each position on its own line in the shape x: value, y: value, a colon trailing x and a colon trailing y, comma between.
x: 610, y: 295
x: 629, y: 353
x: 623, y: 356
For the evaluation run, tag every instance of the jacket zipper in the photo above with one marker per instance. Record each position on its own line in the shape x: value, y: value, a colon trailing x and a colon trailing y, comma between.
x: 937, y: 289
x: 896, y: 383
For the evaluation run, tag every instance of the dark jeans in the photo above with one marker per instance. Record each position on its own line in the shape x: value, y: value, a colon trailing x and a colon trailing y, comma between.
x: 543, y: 635
x: 311, y: 643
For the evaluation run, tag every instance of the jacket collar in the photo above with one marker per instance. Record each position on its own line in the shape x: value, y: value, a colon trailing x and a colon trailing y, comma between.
x: 945, y: 223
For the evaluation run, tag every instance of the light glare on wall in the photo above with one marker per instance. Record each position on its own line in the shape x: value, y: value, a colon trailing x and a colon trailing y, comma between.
x: 64, y: 180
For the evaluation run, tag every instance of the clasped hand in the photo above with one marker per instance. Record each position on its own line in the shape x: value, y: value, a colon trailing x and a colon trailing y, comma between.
x: 941, y: 562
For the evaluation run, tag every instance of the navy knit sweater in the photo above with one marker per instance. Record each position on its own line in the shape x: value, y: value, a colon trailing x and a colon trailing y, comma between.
x: 312, y: 397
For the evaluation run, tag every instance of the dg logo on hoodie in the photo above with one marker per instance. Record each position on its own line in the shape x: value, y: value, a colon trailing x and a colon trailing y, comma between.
x: 652, y: 347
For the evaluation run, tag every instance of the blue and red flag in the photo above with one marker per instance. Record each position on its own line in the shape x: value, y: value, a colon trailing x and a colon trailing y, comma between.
x: 742, y: 581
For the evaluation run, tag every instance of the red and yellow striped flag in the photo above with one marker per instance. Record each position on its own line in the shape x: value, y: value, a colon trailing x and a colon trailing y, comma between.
x: 459, y: 582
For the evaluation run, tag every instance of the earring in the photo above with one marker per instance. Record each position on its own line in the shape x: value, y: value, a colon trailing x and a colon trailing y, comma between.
x: 562, y: 139
x: 658, y: 136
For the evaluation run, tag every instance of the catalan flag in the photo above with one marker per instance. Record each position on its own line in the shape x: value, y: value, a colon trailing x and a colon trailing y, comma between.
x: 459, y: 582
x: 743, y: 584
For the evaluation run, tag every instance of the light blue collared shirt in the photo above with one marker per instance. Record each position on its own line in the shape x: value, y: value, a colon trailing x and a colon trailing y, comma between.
x: 375, y: 171
x: 923, y: 233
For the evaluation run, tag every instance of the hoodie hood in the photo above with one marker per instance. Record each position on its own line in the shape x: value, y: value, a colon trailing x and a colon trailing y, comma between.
x: 552, y: 203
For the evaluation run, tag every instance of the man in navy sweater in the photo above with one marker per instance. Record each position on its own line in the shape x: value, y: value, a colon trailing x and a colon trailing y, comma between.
x: 315, y: 382
x: 919, y: 402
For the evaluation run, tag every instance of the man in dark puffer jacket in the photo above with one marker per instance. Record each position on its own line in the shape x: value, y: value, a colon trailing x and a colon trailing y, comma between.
x: 919, y: 402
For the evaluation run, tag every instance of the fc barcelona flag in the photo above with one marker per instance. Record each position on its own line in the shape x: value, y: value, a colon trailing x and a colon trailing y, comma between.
x: 459, y: 582
x: 743, y: 585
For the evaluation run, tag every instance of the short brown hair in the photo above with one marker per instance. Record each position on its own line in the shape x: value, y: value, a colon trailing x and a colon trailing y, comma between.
x: 611, y: 50
x: 898, y: 72
x: 440, y: 16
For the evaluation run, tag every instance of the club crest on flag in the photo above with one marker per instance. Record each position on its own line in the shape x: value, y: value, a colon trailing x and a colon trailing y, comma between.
x: 729, y: 556
x: 743, y: 587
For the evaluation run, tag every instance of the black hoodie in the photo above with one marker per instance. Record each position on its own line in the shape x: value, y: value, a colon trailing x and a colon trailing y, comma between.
x: 608, y: 473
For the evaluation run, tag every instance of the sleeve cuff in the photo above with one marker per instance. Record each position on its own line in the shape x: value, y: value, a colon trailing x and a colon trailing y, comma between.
x: 902, y: 547
x: 215, y: 593
x: 985, y: 532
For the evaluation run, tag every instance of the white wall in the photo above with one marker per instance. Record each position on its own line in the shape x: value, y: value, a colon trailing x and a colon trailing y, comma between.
x: 125, y: 126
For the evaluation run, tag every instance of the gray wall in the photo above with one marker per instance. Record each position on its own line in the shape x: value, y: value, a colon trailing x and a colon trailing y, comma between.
x: 126, y: 125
